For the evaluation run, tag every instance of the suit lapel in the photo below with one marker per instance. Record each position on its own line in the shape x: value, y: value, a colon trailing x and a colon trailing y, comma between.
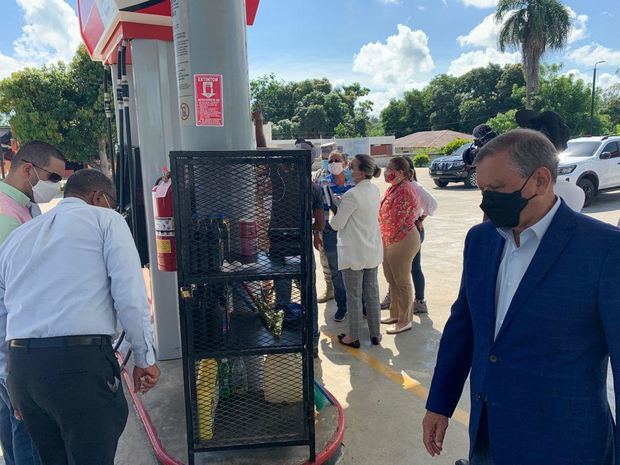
x: 553, y: 243
x: 494, y: 258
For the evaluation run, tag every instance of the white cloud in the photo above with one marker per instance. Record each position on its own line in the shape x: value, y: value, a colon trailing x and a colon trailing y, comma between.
x: 50, y: 33
x: 393, y: 67
x: 445, y: 2
x: 607, y: 80
x: 421, y: 8
x: 590, y: 54
x: 579, y: 29
x: 480, y: 3
x: 390, y: 2
x: 380, y: 99
x: 603, y: 81
x: 480, y: 58
x: 397, y: 62
x: 483, y: 35
x: 339, y: 82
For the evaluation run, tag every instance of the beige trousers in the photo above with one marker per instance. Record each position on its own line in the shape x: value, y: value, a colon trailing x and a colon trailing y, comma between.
x: 397, y: 260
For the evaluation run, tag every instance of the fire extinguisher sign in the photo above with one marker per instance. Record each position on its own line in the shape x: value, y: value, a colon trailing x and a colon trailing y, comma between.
x: 208, y: 92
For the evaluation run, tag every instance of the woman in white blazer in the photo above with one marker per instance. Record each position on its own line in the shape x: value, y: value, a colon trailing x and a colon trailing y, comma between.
x: 360, y: 249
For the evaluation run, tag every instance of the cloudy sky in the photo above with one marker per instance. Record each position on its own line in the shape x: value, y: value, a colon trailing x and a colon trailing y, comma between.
x: 387, y: 45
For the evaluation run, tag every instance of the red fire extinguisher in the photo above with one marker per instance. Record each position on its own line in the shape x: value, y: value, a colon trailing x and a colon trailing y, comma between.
x: 164, y: 224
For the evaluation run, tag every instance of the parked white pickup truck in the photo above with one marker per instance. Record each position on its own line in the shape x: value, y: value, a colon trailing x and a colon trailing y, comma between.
x: 593, y: 163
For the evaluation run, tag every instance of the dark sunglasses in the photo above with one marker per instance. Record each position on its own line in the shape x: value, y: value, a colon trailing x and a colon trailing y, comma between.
x: 335, y: 161
x: 53, y: 177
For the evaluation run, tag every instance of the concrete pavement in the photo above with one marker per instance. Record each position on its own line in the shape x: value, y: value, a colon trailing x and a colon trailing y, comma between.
x: 382, y: 388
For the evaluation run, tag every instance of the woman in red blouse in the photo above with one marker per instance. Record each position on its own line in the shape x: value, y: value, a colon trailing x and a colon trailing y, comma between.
x: 401, y: 242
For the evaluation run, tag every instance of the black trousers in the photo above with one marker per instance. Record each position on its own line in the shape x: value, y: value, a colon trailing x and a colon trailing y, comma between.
x: 72, y: 402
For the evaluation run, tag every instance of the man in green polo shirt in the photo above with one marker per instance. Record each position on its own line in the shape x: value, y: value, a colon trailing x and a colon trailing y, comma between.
x: 34, y: 177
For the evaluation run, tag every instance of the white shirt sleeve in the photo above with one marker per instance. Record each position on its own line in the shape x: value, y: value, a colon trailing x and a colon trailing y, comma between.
x: 4, y: 348
x: 347, y: 206
x: 428, y: 203
x: 128, y: 289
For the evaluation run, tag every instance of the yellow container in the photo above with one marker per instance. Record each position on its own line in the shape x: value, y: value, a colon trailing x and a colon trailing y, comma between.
x: 206, y: 396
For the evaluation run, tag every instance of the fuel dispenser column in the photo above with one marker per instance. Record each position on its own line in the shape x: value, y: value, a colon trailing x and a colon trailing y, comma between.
x: 212, y: 74
x: 214, y: 96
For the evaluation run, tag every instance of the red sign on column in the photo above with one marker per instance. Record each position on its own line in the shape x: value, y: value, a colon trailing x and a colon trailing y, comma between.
x: 209, y: 100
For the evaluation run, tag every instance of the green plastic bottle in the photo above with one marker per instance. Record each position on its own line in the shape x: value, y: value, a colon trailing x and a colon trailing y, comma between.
x: 225, y: 390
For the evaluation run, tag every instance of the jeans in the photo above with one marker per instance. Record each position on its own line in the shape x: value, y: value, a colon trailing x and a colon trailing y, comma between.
x: 17, y: 446
x: 416, y: 272
x: 330, y: 243
x: 283, y: 290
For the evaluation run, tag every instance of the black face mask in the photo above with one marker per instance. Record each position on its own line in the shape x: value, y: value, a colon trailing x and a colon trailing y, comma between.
x: 503, y: 208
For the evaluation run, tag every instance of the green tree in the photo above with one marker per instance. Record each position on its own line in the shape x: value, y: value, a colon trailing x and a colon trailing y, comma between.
x: 375, y: 128
x: 443, y: 99
x: 503, y: 122
x: 311, y: 121
x: 571, y: 99
x: 611, y: 105
x: 59, y: 104
x: 394, y: 118
x: 293, y: 106
x: 455, y: 144
x: 534, y: 26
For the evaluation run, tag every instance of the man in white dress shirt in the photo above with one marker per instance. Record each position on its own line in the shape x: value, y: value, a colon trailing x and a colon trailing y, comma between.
x: 65, y: 279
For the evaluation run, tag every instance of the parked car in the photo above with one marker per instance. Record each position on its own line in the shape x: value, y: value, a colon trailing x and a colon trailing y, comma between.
x: 452, y: 168
x: 593, y: 163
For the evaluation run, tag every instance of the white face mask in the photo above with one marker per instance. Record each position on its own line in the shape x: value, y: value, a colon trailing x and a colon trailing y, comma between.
x: 44, y: 191
x: 336, y: 168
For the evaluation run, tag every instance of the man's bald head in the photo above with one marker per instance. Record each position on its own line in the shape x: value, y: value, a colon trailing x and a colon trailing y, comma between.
x: 93, y: 187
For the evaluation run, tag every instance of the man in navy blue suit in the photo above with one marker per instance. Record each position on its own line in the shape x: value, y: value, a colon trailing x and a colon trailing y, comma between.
x: 536, y: 321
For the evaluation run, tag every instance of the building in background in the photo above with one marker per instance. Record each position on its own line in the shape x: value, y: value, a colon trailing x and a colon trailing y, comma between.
x: 427, y: 141
x: 375, y: 146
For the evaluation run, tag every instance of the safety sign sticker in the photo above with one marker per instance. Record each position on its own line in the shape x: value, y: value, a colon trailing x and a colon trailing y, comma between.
x: 208, y: 92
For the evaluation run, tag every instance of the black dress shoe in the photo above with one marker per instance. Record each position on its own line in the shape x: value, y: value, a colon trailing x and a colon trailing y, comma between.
x: 462, y: 462
x: 375, y: 341
x: 354, y: 344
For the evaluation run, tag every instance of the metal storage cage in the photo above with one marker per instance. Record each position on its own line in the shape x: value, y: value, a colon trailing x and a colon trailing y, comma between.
x: 243, y: 226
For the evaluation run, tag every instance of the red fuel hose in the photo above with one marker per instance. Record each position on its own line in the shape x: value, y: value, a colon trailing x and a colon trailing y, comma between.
x: 164, y: 459
x: 160, y: 452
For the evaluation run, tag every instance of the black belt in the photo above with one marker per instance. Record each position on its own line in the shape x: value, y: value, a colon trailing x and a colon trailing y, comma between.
x: 59, y: 342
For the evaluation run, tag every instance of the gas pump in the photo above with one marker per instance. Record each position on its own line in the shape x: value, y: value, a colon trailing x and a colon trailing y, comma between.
x: 134, y: 40
x: 180, y: 76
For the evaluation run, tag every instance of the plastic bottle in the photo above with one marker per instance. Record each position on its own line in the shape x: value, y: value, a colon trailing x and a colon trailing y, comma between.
x: 207, y: 397
x: 225, y: 391
x: 239, y: 377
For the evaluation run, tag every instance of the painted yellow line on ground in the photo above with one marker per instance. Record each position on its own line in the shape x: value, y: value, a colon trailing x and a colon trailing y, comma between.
x: 398, y: 377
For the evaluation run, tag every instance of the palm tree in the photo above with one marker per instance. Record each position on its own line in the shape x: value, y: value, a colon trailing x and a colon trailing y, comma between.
x: 535, y: 26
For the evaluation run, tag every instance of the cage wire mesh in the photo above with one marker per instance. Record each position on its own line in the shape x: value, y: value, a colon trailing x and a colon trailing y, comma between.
x: 243, y: 227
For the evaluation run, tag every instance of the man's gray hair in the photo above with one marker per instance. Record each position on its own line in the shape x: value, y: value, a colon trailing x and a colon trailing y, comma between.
x: 528, y: 150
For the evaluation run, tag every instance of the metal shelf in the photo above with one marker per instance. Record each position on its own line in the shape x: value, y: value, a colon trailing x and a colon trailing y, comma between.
x: 244, y: 252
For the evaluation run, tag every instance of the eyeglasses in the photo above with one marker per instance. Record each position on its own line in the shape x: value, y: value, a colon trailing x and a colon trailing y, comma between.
x: 53, y: 177
x: 115, y: 202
